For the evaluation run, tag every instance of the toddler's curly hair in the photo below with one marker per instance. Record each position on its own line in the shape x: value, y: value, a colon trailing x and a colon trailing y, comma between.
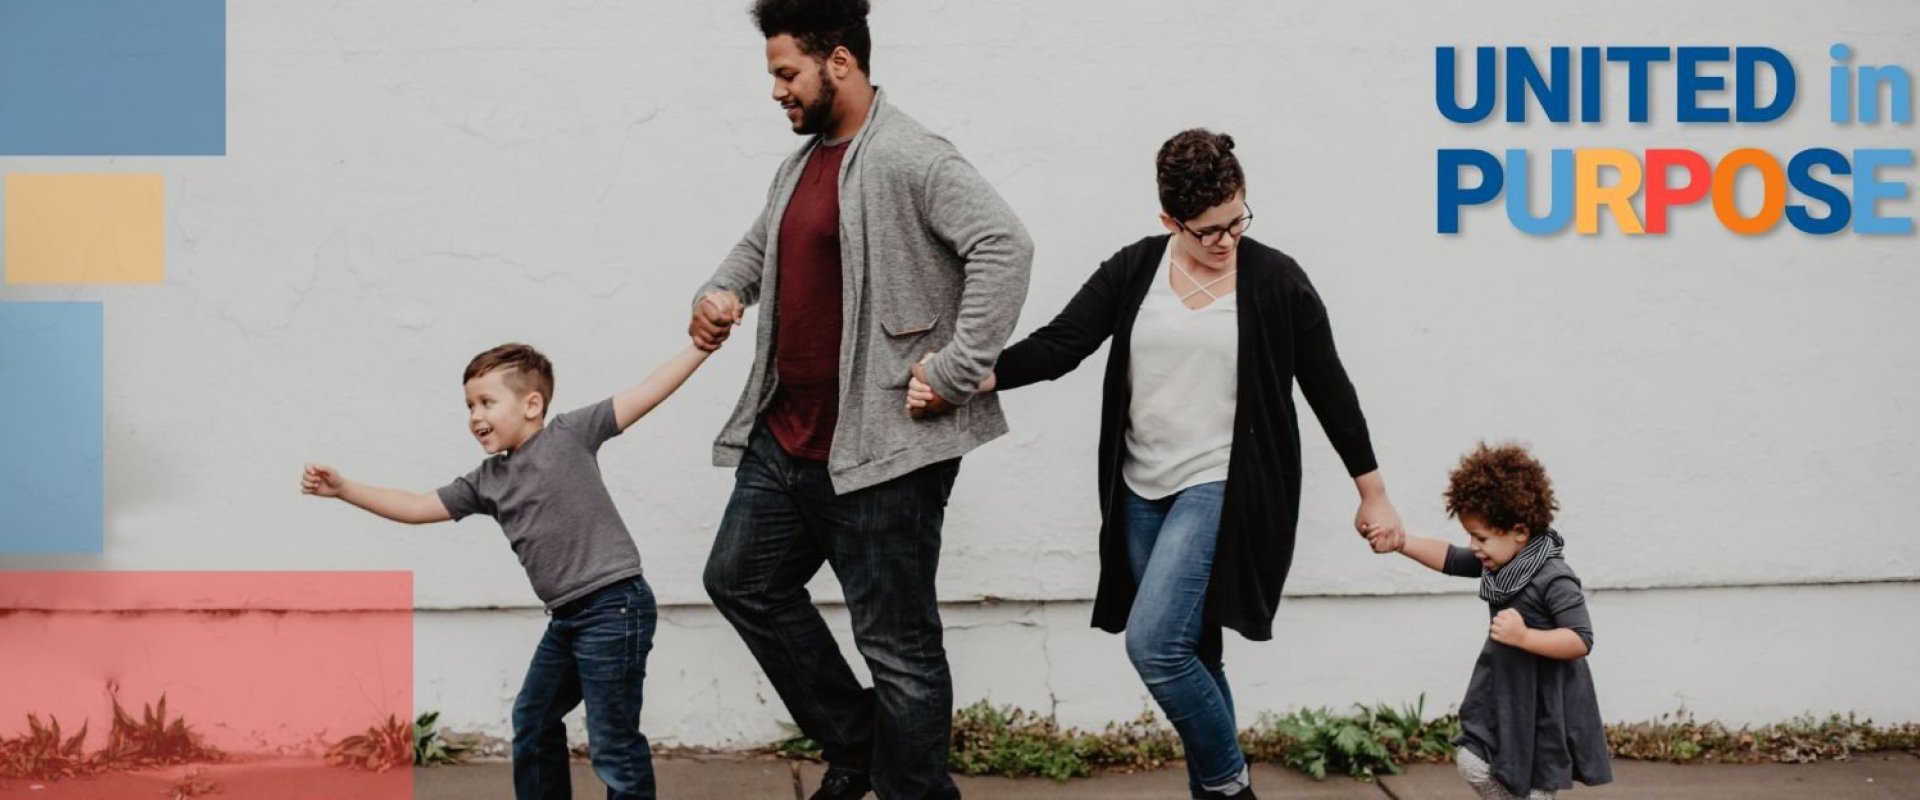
x: 1504, y: 485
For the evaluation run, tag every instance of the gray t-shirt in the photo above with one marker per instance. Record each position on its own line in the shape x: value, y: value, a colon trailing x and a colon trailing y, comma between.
x: 554, y: 507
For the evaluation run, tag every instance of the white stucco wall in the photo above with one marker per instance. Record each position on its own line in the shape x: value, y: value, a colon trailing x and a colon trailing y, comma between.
x: 1740, y: 655
x: 409, y: 183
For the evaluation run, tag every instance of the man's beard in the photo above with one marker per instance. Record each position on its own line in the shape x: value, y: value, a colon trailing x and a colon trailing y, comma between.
x: 813, y: 116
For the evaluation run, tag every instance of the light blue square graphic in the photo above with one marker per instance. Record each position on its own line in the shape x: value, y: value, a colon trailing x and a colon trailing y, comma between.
x: 51, y: 428
x: 113, y: 77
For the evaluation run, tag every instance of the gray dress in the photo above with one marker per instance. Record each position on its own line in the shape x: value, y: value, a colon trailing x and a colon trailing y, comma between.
x: 1536, y: 720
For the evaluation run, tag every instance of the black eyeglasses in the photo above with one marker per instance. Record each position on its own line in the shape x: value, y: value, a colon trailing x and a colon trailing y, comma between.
x: 1211, y: 236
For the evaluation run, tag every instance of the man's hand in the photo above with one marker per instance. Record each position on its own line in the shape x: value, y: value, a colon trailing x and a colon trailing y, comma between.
x: 1509, y: 629
x: 713, y: 319
x: 322, y: 481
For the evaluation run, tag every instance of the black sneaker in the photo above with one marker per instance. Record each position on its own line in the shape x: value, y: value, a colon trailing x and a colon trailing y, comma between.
x: 843, y: 784
x: 1243, y: 794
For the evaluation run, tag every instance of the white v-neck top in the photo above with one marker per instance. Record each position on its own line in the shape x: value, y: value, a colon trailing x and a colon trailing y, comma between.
x: 1184, y: 385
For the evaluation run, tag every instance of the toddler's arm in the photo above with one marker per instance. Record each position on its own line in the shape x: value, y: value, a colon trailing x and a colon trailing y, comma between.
x: 394, y: 504
x: 1561, y: 644
x: 1439, y: 556
x: 1570, y: 637
x: 1431, y: 553
x: 634, y: 402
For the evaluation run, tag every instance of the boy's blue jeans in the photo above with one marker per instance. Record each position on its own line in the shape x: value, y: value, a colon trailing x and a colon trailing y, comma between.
x: 783, y: 522
x: 1170, y: 543
x: 595, y: 649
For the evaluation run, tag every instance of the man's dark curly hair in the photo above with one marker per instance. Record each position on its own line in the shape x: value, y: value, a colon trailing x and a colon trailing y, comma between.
x: 1503, y: 485
x: 819, y: 26
x: 1197, y: 171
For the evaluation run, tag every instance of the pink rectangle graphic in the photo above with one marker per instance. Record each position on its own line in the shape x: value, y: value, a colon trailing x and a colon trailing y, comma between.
x: 270, y: 669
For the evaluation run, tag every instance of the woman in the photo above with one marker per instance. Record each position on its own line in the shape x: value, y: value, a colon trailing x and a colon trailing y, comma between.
x: 1199, y: 461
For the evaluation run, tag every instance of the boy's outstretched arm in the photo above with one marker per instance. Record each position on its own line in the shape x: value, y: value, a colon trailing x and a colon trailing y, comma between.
x: 400, y: 506
x: 635, y: 401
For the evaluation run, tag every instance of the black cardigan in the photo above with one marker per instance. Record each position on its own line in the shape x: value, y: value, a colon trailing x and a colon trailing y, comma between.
x: 1284, y: 336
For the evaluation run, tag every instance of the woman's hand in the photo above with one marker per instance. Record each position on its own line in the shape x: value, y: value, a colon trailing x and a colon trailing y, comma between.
x: 919, y: 394
x: 1380, y: 524
x: 921, y: 399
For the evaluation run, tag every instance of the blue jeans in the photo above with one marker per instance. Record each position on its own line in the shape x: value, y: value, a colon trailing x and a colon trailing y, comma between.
x: 595, y: 649
x: 783, y: 522
x: 1170, y: 545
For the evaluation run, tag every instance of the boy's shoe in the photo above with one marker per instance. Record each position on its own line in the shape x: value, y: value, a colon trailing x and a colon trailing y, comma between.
x: 843, y: 784
x: 1244, y: 794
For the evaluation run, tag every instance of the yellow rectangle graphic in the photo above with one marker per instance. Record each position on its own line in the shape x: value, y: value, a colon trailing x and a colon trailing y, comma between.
x: 85, y: 228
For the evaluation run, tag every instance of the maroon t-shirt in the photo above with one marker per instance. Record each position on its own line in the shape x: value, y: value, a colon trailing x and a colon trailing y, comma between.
x: 806, y: 404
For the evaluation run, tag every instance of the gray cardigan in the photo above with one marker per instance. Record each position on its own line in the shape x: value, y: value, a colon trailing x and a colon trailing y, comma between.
x: 932, y: 260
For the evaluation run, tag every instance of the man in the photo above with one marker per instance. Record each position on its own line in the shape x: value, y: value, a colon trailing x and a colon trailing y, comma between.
x: 879, y: 247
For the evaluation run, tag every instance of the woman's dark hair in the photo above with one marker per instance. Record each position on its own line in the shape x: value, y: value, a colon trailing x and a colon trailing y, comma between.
x: 1503, y: 485
x: 1197, y: 171
x: 819, y: 26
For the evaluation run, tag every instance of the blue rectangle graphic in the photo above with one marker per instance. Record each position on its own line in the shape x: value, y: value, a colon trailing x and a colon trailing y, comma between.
x: 113, y: 77
x: 51, y: 424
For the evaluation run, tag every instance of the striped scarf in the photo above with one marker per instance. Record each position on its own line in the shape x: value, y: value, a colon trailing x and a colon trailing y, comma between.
x: 1500, y: 586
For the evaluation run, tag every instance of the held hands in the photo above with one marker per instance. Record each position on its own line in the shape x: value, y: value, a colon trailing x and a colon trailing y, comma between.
x: 1508, y: 628
x: 322, y: 481
x: 713, y: 319
x: 923, y: 401
x: 1380, y: 525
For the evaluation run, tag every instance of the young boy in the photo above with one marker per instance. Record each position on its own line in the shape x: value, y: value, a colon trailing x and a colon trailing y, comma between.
x: 542, y: 483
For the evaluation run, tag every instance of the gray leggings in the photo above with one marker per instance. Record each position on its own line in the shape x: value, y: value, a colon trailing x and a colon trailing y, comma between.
x: 1479, y: 775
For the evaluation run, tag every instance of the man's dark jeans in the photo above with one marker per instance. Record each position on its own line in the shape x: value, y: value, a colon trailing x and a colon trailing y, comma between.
x: 883, y: 542
x: 595, y: 649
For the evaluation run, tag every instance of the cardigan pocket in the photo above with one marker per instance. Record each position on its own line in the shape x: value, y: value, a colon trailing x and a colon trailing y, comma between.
x: 907, y: 341
x: 911, y: 326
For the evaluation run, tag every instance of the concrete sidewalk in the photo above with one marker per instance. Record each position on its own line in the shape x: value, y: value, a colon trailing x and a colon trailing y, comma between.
x: 1875, y: 777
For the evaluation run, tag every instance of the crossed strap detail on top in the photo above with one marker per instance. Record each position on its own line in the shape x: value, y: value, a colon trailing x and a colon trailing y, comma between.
x: 1202, y: 288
